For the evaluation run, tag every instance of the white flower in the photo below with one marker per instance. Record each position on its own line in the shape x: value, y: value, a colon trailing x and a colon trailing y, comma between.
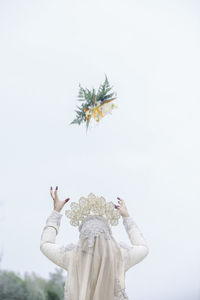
x: 107, y: 108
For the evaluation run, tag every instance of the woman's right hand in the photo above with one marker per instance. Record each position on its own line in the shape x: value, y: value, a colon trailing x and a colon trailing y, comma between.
x: 122, y: 208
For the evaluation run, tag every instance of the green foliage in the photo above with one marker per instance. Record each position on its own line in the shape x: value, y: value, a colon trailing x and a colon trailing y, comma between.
x: 32, y: 286
x: 88, y: 98
x: 11, y: 286
x: 51, y: 295
x: 55, y: 286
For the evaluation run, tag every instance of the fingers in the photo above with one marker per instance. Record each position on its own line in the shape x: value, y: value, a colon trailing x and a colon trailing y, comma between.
x: 121, y: 203
x: 56, y: 192
x: 54, y: 195
x: 51, y: 192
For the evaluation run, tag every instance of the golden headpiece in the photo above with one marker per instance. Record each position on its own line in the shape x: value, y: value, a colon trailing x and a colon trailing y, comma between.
x: 92, y: 205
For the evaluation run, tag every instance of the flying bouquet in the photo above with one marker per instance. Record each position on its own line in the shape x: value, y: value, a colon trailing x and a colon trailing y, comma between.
x: 95, y: 104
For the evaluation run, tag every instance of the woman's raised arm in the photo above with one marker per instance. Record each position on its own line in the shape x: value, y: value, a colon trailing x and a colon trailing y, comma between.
x: 58, y: 254
x: 139, y: 249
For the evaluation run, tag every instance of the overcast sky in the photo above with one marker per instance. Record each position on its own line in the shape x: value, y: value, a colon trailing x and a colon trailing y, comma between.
x: 146, y: 152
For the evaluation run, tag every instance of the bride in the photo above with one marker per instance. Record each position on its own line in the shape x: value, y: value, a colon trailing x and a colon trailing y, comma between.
x: 97, y: 264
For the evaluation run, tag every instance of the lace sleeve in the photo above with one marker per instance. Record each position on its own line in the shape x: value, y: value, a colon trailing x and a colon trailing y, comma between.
x: 138, y: 249
x: 128, y: 223
x: 54, y: 220
x: 58, y: 254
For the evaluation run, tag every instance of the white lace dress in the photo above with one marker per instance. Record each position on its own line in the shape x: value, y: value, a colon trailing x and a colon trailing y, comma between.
x: 61, y: 254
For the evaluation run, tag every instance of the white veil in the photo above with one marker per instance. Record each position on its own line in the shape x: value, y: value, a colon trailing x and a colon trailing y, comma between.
x: 98, y: 271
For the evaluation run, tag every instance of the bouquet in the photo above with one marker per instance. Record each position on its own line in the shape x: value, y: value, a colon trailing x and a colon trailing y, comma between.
x: 95, y: 105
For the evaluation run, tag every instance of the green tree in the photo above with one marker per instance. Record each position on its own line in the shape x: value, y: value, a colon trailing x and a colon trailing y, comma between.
x: 11, y: 286
x: 55, y: 286
x: 31, y: 286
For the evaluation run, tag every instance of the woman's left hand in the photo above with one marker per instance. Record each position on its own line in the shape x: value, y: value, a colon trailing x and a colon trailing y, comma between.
x: 58, y: 204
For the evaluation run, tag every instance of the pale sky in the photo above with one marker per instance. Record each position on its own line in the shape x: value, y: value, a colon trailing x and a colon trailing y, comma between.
x: 146, y: 152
